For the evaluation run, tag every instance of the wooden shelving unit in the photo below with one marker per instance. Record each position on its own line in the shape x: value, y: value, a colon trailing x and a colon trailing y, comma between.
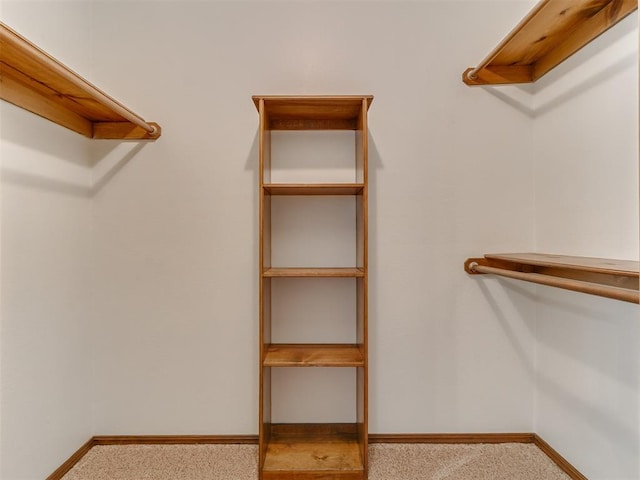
x: 553, y: 31
x: 33, y: 80
x: 616, y: 279
x: 308, y: 451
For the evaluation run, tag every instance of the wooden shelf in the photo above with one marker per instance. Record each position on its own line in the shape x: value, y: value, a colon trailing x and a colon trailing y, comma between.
x: 313, y: 355
x: 552, y: 32
x: 313, y: 272
x: 314, y: 188
x: 312, y: 112
x: 617, y: 279
x: 313, y: 451
x: 33, y: 80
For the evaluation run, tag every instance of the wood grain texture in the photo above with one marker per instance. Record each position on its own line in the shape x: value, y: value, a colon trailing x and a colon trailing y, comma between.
x: 313, y: 355
x: 34, y: 80
x: 627, y: 268
x: 451, y: 438
x: 175, y: 440
x: 552, y: 32
x: 264, y: 400
x: 123, y: 131
x: 362, y: 285
x: 615, y: 279
x: 313, y: 272
x: 314, y: 188
x: 311, y: 454
x: 36, y: 98
x: 312, y: 112
x: 314, y: 451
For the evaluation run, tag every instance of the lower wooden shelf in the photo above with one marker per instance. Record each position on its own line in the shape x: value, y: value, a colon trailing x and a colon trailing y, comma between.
x: 313, y: 452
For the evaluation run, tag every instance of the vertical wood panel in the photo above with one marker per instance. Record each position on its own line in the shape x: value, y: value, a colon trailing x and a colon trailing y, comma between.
x: 264, y: 401
x: 363, y: 373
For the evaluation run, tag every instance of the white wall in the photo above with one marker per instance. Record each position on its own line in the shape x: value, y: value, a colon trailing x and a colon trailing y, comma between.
x: 586, y: 168
x: 176, y: 227
x: 46, y: 220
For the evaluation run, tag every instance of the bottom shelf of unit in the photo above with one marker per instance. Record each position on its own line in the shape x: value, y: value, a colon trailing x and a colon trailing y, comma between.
x: 313, y: 451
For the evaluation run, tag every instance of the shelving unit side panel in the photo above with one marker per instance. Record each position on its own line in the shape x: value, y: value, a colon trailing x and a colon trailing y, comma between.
x: 359, y: 159
x: 362, y: 214
x: 360, y: 232
x: 265, y: 414
x: 264, y: 401
x: 362, y: 374
x: 264, y: 145
x: 362, y: 414
x: 265, y: 230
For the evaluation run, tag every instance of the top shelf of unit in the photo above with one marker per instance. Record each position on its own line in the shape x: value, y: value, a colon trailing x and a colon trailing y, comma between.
x: 343, y: 112
x: 552, y: 32
x: 37, y: 82
x: 314, y: 189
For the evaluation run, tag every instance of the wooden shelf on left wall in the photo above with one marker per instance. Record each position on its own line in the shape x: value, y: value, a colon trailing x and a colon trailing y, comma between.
x: 32, y: 79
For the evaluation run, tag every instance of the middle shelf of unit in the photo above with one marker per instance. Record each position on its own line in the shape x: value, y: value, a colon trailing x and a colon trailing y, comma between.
x: 313, y: 272
x: 314, y: 355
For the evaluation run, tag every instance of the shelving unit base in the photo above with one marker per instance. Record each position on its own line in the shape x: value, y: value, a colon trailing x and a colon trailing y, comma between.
x: 313, y: 452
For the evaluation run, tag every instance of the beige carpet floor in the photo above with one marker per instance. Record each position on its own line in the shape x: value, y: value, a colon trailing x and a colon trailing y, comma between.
x: 508, y: 461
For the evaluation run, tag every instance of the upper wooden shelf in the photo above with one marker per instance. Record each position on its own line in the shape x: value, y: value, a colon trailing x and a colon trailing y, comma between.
x: 342, y: 112
x: 314, y: 188
x: 617, y: 279
x: 32, y: 79
x: 553, y: 31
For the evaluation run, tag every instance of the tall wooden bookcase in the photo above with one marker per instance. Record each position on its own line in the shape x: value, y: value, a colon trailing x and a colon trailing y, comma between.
x: 307, y: 451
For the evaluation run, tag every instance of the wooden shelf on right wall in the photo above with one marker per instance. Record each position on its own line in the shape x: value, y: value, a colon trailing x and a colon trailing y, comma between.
x: 616, y: 279
x: 552, y: 32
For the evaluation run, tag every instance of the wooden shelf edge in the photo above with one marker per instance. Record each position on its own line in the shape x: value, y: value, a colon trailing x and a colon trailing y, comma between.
x: 615, y: 279
x: 313, y: 112
x: 313, y: 355
x: 569, y: 28
x: 35, y: 81
x: 124, y: 131
x: 313, y: 272
x: 314, y: 451
x: 312, y: 98
x: 314, y: 188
